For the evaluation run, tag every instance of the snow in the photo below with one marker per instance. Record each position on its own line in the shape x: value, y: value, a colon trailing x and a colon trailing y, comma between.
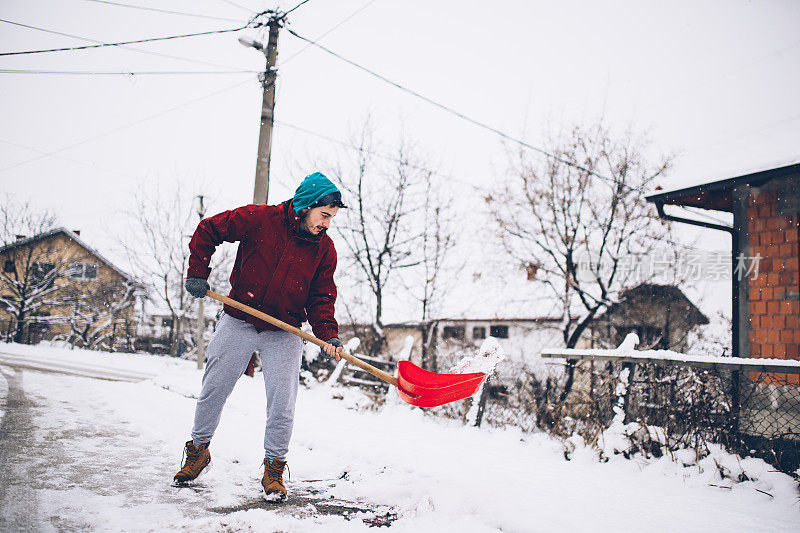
x: 114, y: 447
x: 627, y: 345
x: 626, y: 350
x: 696, y: 172
x: 405, y: 352
x: 485, y: 361
x: 489, y: 354
x: 3, y: 394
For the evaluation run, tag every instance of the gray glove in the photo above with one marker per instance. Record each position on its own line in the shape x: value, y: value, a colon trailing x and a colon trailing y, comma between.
x: 197, y: 287
x: 334, y: 341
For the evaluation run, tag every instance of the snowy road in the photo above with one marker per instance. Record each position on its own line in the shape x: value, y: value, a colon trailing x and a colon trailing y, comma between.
x: 18, y: 508
x: 68, y: 463
x: 63, y: 466
x: 88, y: 454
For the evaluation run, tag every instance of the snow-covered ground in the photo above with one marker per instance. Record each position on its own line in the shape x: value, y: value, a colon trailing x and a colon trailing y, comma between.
x: 101, y: 455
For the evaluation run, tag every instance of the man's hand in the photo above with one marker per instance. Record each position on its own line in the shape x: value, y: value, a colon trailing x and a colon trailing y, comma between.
x: 197, y: 287
x: 333, y: 348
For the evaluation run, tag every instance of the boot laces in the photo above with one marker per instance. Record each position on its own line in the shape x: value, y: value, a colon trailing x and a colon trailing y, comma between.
x: 275, y: 472
x: 188, y: 457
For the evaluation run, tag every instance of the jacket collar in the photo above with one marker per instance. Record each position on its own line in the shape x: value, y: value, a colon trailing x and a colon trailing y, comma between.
x: 293, y: 221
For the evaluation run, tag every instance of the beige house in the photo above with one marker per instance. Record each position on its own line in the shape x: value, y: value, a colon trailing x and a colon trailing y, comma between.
x: 55, y: 286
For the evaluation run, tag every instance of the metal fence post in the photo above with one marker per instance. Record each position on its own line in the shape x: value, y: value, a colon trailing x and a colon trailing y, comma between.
x: 482, y: 402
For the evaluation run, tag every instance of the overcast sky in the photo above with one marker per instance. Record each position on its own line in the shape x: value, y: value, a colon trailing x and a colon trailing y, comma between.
x: 714, y: 82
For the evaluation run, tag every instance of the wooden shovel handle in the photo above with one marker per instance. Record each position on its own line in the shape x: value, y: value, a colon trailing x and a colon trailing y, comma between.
x: 378, y: 373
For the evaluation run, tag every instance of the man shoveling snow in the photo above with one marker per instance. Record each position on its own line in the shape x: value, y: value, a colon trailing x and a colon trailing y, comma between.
x: 284, y: 266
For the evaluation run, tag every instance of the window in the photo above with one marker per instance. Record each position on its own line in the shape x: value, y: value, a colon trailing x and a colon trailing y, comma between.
x: 83, y: 271
x: 453, y: 332
x: 9, y: 267
x: 501, y: 332
x: 166, y: 322
x: 479, y: 332
x: 40, y: 273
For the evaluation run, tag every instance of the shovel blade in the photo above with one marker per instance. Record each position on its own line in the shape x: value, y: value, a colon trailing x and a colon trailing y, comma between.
x: 423, y: 388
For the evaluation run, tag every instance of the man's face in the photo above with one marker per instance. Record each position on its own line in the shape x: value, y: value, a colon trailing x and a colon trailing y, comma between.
x: 318, y: 219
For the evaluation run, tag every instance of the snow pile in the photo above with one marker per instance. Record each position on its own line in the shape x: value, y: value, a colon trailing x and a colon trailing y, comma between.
x: 715, y: 467
x: 489, y: 354
x: 628, y: 344
x: 487, y: 358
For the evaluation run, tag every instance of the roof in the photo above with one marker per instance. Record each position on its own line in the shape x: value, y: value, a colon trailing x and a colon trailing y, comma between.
x: 656, y: 294
x: 716, y: 194
x: 505, y: 319
x: 416, y: 324
x: 74, y: 237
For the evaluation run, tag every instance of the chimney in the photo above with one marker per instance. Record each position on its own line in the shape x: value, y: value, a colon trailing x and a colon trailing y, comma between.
x: 20, y: 237
x: 77, y: 232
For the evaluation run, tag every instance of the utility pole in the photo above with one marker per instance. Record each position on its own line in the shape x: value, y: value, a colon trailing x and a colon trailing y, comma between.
x: 201, y: 308
x: 261, y: 189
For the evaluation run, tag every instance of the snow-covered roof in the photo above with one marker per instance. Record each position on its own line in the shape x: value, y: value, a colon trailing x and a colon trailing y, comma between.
x: 722, y: 178
x: 716, y: 194
x: 499, y: 289
x: 74, y: 237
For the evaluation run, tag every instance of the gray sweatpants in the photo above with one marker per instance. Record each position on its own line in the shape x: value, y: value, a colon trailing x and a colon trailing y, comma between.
x: 228, y: 354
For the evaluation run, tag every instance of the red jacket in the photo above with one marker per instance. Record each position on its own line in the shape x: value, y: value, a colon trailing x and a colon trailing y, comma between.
x: 277, y: 270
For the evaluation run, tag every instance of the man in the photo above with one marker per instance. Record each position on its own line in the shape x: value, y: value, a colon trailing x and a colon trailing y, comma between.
x: 284, y: 267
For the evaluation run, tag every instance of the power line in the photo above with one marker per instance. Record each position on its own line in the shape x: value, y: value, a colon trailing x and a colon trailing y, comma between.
x: 457, y: 113
x: 295, y: 7
x: 101, y: 45
x: 123, y: 127
x: 149, y: 52
x: 123, y: 73
x: 356, y: 12
x: 119, y: 4
x: 702, y: 213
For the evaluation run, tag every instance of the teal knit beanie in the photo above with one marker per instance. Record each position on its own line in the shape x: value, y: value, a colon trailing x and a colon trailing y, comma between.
x: 312, y: 188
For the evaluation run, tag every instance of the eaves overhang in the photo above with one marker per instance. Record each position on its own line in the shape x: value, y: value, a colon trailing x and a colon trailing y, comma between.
x: 717, y: 195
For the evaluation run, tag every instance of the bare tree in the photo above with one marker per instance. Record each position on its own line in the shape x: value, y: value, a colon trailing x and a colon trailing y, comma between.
x: 29, y: 271
x: 162, y: 222
x: 378, y: 229
x: 580, y: 220
x: 398, y: 232
x: 97, y: 315
x: 428, y: 282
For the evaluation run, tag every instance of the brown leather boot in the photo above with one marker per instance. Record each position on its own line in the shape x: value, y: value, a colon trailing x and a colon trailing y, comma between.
x: 197, y: 459
x: 274, y: 489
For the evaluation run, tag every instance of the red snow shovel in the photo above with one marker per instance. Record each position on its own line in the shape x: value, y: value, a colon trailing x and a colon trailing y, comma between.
x: 414, y: 385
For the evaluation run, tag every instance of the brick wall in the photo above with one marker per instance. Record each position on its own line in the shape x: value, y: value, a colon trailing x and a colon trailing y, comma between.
x: 773, y: 300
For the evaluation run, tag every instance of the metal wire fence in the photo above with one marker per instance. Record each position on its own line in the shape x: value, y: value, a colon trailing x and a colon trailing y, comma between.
x: 662, y: 406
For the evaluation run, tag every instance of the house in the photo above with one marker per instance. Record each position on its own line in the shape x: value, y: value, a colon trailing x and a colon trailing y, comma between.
x: 55, y: 286
x: 764, y: 254
x: 499, y: 300
x: 765, y: 209
x: 660, y: 315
